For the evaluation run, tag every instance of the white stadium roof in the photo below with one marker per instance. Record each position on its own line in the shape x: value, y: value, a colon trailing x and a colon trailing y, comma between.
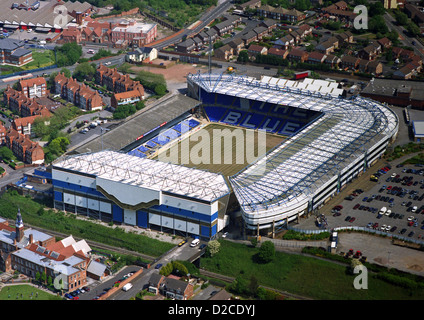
x: 303, y: 164
x: 150, y: 174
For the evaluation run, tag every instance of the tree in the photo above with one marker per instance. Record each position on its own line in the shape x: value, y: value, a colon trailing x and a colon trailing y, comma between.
x: 84, y: 71
x: 67, y: 73
x: 266, y: 252
x: 377, y: 24
x: 402, y: 18
x: 213, y: 247
x: 240, y: 286
x: 6, y: 153
x: 243, y: 56
x: 413, y: 29
x: 160, y: 89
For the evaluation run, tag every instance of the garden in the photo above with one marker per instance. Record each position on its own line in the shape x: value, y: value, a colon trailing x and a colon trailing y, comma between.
x: 305, y: 275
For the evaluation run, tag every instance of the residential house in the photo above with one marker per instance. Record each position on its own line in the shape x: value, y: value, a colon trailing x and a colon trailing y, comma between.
x: 224, y: 27
x: 270, y: 24
x: 363, y: 65
x: 128, y: 97
x: 414, y: 13
x: 370, y: 52
x: 237, y: 45
x: 396, y: 51
x: 407, y: 55
x: 325, y: 47
x: 285, y: 42
x: 375, y: 67
x: 297, y: 36
x: 208, y: 36
x: 290, y: 15
x: 349, y: 62
x: 141, y: 54
x: 23, y: 148
x: 305, y: 30
x: 170, y: 287
x: 186, y: 46
x: 254, y: 50
x: 344, y: 38
x: 24, y: 106
x: 385, y: 43
x: 34, y: 87
x: 88, y: 99
x: 80, y: 95
x: 281, y: 53
x: 406, y: 72
x: 297, y: 55
x: 260, y: 32
x: 115, y: 81
x: 249, y: 37
x: 3, y: 132
x: 225, y: 52
x: 333, y: 61
x: 316, y: 57
x: 252, y: 4
x: 24, y: 125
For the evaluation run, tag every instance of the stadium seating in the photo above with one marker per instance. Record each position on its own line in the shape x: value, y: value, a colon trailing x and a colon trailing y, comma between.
x: 270, y: 123
x: 165, y: 137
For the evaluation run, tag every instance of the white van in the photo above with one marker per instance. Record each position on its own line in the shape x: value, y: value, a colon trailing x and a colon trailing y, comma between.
x: 194, y: 243
x: 127, y: 287
x: 383, y: 210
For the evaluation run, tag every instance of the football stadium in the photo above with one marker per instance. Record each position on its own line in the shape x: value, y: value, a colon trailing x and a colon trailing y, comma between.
x: 267, y: 150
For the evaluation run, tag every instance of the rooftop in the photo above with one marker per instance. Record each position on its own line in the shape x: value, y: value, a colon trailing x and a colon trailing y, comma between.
x: 149, y: 174
x: 130, y: 130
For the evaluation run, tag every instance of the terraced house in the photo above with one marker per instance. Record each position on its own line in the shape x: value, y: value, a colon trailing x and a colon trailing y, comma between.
x: 78, y: 94
x: 23, y: 148
x: 34, y: 87
x: 21, y: 104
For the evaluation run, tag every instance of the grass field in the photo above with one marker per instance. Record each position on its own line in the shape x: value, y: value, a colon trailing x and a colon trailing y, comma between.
x: 306, y: 276
x: 25, y: 292
x: 222, y: 148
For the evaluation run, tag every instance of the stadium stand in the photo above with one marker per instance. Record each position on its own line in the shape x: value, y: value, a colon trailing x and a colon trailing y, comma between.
x: 163, y: 138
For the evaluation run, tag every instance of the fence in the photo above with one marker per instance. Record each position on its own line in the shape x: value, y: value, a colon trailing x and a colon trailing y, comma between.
x: 361, y: 229
x: 27, y: 71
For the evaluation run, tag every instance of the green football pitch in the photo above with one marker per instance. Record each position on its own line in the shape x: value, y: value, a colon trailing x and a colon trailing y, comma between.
x: 25, y: 292
x: 220, y: 148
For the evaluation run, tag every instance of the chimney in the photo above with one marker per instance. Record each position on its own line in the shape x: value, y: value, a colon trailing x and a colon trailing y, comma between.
x: 79, y: 18
x: 31, y: 238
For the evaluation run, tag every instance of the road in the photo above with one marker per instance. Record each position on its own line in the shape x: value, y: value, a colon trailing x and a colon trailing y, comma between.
x: 205, y: 19
x: 179, y: 253
x: 407, y: 41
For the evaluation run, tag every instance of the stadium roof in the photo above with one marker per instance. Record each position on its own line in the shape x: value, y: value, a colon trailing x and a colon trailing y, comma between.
x: 300, y: 166
x: 168, y: 108
x: 151, y: 174
x: 45, y: 16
